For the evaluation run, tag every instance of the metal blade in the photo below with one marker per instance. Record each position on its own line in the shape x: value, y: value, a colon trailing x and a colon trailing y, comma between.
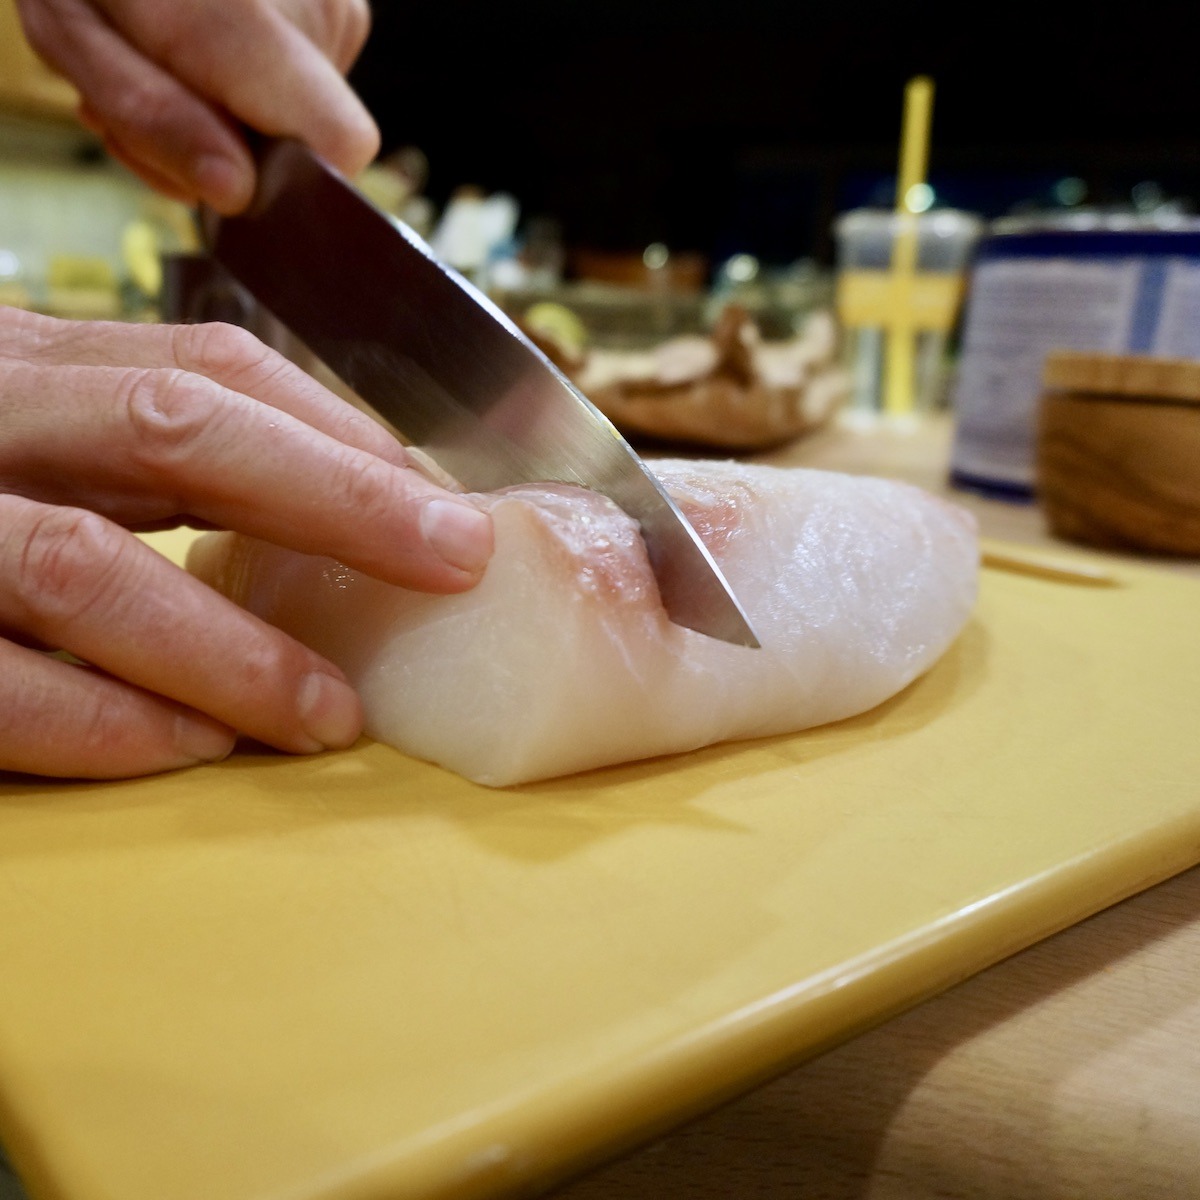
x: 445, y: 366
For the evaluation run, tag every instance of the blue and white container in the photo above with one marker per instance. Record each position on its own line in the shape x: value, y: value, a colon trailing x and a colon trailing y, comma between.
x: 1115, y: 283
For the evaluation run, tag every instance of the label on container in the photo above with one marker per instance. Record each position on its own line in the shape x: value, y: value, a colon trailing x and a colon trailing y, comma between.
x: 1177, y: 331
x: 1024, y: 305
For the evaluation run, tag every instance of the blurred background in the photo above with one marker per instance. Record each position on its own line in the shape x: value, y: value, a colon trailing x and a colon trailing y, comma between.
x: 717, y: 130
x: 746, y: 127
x: 619, y: 174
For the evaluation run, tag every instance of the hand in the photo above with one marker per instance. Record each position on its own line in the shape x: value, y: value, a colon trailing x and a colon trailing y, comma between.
x: 106, y: 428
x: 167, y: 83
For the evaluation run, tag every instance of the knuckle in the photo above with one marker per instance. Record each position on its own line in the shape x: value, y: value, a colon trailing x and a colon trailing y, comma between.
x: 67, y: 559
x: 19, y: 323
x: 260, y: 665
x: 366, y: 485
x: 260, y: 668
x: 229, y: 354
x: 167, y: 411
x: 95, y: 728
x: 217, y: 348
x: 140, y: 104
x: 26, y: 336
x: 174, y: 31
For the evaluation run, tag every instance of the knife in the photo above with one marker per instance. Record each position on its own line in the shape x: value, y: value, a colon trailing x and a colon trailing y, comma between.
x: 444, y: 366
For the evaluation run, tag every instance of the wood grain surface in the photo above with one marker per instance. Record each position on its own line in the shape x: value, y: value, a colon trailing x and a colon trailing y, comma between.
x: 1120, y: 473
x: 1118, y: 440
x: 1070, y: 1070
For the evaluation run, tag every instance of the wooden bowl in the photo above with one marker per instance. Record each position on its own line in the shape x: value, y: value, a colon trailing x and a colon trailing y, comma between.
x: 1118, y: 451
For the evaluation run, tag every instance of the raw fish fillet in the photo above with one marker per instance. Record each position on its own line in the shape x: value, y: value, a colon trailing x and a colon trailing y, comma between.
x: 562, y: 658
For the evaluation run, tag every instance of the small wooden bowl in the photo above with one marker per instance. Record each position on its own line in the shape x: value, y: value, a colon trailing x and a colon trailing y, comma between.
x: 1118, y: 451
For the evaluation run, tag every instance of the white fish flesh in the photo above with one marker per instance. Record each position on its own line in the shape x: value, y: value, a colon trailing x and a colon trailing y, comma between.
x: 563, y: 659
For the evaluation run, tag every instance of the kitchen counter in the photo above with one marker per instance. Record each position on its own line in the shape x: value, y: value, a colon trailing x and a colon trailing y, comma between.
x: 1068, y: 1070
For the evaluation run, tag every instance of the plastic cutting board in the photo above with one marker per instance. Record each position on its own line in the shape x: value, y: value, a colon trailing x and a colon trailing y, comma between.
x: 358, y: 976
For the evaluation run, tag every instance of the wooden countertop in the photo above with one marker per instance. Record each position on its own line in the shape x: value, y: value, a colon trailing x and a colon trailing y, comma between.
x: 1069, y: 1070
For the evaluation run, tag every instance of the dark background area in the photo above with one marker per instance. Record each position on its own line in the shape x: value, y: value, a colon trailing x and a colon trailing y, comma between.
x: 746, y: 127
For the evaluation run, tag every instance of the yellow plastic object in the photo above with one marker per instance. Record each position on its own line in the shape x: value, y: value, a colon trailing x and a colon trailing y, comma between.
x: 559, y: 324
x: 15, y: 295
x: 141, y: 250
x: 928, y: 301
x: 900, y: 372
x: 81, y: 272
x: 914, y: 139
x: 357, y: 977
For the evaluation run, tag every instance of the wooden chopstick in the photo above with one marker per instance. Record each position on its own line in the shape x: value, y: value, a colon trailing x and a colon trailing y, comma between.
x: 1062, y: 570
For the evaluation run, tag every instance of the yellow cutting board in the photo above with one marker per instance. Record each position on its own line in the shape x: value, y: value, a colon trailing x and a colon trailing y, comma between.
x: 358, y: 976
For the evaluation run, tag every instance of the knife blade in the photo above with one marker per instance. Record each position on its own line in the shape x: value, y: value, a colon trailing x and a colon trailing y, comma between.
x: 444, y: 365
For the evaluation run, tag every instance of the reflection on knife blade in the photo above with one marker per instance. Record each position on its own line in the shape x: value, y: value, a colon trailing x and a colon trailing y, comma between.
x: 444, y: 366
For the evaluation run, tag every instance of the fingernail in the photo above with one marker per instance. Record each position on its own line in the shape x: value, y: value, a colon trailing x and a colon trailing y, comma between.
x: 200, y: 740
x: 223, y: 182
x: 329, y: 711
x: 459, y: 533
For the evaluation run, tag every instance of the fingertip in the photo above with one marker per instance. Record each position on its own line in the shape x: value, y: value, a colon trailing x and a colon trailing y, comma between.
x: 199, y: 739
x: 354, y: 141
x: 368, y: 142
x: 225, y: 183
x: 460, y: 534
x: 330, y: 712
